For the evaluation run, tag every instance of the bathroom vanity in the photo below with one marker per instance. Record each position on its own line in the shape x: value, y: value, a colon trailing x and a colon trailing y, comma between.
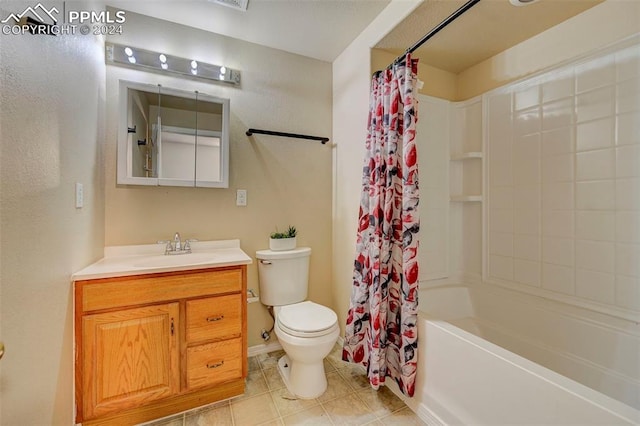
x: 157, y: 335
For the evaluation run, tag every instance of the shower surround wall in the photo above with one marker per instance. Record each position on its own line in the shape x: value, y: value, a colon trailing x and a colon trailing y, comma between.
x: 563, y: 211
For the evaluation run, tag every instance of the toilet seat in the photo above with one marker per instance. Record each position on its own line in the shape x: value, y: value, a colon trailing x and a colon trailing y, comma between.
x: 306, y: 319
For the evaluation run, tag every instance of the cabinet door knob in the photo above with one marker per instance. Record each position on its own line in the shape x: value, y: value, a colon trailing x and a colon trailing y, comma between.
x: 216, y: 364
x: 215, y: 318
x: 1, y: 349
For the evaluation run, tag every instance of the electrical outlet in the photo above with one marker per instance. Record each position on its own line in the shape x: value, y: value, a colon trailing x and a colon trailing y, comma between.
x: 79, y: 196
x: 241, y: 197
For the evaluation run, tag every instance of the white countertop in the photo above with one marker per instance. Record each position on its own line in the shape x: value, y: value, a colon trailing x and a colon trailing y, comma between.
x: 121, y: 261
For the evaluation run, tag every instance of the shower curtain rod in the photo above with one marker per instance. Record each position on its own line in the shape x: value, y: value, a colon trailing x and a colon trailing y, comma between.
x: 455, y: 15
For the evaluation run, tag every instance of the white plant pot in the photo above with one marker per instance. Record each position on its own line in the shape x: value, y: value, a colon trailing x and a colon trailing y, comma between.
x: 280, y: 244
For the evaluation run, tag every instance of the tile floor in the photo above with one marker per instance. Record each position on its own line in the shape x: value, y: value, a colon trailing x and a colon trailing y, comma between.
x: 349, y: 400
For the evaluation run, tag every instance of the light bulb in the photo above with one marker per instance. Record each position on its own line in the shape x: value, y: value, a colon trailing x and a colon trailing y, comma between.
x: 223, y: 70
x: 194, y: 64
x: 162, y: 58
x: 132, y: 59
x: 194, y: 71
x: 128, y: 51
x: 164, y: 65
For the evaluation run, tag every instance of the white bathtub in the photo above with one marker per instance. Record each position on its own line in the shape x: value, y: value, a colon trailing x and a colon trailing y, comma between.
x: 496, y: 357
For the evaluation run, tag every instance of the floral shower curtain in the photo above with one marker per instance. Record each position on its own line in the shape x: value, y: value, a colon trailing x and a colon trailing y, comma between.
x: 381, y: 331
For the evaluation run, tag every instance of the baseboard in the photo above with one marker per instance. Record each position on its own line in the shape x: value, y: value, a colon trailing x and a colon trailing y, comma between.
x: 264, y: 348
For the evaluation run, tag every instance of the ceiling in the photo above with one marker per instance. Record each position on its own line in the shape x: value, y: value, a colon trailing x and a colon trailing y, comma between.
x: 488, y: 28
x: 319, y: 29
x: 322, y: 29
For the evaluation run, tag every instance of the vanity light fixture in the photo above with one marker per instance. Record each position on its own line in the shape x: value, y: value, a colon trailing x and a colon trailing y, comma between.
x: 236, y: 4
x: 129, y: 53
x: 163, y: 61
x: 522, y: 2
x: 147, y: 60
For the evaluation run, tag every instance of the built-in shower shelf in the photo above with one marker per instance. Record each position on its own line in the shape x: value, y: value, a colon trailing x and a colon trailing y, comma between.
x: 466, y: 155
x: 466, y: 198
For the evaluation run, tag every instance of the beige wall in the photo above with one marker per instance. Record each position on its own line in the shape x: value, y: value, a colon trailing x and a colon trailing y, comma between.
x: 288, y: 180
x: 599, y: 26
x: 437, y: 82
x: 52, y: 132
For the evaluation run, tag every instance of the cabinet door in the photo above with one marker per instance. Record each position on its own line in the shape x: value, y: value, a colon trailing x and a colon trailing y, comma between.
x: 131, y: 357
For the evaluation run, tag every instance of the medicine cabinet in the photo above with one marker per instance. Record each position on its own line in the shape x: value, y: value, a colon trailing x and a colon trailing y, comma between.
x: 170, y: 137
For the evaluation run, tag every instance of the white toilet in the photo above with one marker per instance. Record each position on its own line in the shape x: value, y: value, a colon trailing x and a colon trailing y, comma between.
x: 307, y: 331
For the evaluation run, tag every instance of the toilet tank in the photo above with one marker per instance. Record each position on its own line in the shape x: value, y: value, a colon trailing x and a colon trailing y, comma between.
x: 283, y: 276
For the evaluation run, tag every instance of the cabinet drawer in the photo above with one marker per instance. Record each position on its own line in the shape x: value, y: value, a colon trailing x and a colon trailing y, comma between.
x: 110, y: 293
x: 214, y: 363
x: 214, y: 318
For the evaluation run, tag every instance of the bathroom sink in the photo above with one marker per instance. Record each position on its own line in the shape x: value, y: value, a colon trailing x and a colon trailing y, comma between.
x: 122, y: 261
x: 160, y: 261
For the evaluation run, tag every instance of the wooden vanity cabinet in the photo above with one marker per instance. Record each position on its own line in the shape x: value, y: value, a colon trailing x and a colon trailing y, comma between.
x: 148, y: 346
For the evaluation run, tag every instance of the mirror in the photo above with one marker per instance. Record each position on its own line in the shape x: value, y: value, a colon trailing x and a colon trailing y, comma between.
x: 170, y: 137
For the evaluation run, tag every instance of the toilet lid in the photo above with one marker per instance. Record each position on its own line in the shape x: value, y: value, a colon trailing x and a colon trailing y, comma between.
x: 306, y: 317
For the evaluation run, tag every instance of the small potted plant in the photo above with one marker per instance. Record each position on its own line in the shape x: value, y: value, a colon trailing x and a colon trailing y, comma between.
x: 283, y: 240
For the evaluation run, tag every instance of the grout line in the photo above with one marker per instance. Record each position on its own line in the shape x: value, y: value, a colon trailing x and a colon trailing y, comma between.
x: 276, y: 406
x: 233, y: 418
x: 328, y: 415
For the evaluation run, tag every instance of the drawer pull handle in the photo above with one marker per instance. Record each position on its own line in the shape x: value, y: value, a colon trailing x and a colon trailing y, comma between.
x: 216, y: 318
x: 216, y: 365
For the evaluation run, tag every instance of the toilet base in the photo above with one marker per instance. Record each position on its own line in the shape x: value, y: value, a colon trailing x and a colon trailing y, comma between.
x: 305, y: 381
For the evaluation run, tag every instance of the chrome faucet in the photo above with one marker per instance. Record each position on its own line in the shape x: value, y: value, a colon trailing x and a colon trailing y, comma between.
x: 177, y: 246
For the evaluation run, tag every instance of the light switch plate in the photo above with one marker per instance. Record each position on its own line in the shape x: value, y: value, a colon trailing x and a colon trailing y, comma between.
x: 241, y: 197
x: 79, y: 196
